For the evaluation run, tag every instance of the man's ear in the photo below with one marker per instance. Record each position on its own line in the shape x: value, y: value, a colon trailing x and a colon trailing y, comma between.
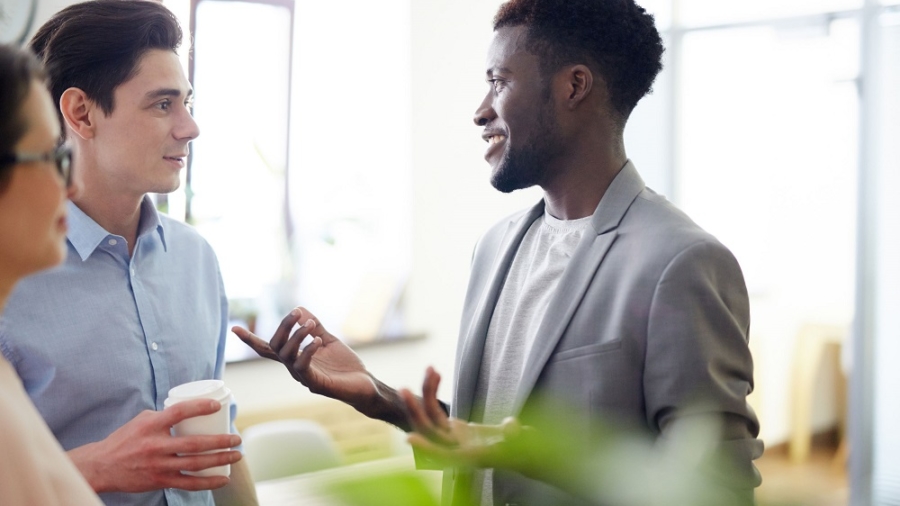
x: 579, y: 83
x: 78, y: 112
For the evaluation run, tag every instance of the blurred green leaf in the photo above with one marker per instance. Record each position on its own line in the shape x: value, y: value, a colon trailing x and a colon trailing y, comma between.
x: 597, y: 461
x: 407, y: 489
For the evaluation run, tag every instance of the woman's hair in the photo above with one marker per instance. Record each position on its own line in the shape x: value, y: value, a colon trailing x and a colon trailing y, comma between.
x: 18, y: 70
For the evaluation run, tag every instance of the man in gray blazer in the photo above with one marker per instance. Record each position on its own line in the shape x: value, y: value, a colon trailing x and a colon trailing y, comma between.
x: 603, y: 296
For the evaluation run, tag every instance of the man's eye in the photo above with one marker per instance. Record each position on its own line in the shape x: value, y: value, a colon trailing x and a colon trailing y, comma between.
x: 189, y: 105
x: 165, y: 105
x: 496, y: 84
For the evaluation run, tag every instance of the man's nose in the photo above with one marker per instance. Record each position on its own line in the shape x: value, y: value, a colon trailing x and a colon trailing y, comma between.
x: 485, y: 112
x: 188, y: 129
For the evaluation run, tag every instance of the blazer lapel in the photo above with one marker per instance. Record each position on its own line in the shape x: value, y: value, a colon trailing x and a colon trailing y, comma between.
x: 473, y: 347
x: 579, y: 274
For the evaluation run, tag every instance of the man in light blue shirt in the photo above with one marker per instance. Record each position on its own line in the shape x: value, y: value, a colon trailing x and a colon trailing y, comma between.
x: 139, y: 306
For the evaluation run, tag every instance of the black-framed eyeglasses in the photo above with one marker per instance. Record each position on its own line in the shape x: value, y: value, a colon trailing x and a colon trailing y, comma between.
x: 61, y: 157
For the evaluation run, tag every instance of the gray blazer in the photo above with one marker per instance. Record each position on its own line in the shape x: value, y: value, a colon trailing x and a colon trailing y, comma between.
x: 651, y: 314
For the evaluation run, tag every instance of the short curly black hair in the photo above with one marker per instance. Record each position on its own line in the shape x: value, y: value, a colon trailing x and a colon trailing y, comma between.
x: 616, y: 38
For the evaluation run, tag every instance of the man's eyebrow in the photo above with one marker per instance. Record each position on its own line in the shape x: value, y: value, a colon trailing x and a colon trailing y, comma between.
x: 167, y: 92
x: 497, y: 70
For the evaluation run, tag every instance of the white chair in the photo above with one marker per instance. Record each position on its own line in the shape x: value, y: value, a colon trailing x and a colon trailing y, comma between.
x: 287, y: 447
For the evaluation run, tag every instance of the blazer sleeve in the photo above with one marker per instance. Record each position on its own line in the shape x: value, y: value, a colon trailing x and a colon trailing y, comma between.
x: 697, y: 356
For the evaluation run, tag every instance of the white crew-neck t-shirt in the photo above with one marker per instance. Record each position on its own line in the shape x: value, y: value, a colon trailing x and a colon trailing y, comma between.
x: 539, y: 263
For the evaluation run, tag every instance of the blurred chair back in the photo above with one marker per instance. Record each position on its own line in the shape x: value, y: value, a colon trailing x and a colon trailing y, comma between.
x: 287, y: 447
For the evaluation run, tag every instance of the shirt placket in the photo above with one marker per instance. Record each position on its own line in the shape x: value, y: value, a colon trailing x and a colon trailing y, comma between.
x: 147, y: 318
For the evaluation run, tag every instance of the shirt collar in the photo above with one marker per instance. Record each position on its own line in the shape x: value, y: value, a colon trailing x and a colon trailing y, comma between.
x: 85, y: 234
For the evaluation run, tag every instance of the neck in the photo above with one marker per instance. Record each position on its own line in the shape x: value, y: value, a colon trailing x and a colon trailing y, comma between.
x: 104, y: 199
x: 582, y: 179
x: 118, y: 214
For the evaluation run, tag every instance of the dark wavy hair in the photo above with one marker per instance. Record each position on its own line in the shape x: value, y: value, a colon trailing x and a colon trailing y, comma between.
x: 616, y: 38
x: 18, y: 70
x: 96, y: 45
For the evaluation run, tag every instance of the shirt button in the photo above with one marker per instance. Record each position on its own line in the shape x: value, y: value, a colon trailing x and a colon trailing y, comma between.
x: 154, y: 346
x: 113, y: 242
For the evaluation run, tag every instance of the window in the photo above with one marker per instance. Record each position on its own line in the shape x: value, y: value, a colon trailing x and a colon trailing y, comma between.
x: 778, y: 122
x: 302, y: 183
x: 236, y: 185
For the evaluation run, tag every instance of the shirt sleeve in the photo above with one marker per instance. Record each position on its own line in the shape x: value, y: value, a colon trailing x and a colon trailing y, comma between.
x: 220, y: 347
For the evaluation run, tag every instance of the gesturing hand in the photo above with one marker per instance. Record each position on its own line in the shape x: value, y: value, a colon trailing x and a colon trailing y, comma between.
x: 142, y: 455
x: 326, y: 365
x: 450, y: 440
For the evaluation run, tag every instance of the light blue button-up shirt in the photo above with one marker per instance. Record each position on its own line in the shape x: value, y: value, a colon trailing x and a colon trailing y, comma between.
x: 104, y: 336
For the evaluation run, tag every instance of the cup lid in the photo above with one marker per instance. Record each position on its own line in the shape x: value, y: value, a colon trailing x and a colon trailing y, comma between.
x: 203, y: 389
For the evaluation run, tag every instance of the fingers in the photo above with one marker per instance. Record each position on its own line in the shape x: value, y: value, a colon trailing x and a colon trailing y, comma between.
x: 441, y: 455
x: 511, y: 427
x: 430, y: 401
x: 199, y: 444
x: 258, y: 345
x: 192, y: 483
x: 427, y: 416
x: 288, y: 353
x: 283, y: 333
x: 205, y: 461
x: 306, y: 315
x: 282, y: 337
x: 184, y: 410
x: 317, y: 330
x: 143, y: 454
x: 422, y: 423
x: 419, y: 441
x: 467, y: 456
x: 304, y: 359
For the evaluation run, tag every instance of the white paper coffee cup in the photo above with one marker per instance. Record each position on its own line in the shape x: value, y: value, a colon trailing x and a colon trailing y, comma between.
x: 206, y: 425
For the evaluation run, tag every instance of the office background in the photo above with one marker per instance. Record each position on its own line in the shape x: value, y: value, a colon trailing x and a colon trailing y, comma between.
x: 774, y: 125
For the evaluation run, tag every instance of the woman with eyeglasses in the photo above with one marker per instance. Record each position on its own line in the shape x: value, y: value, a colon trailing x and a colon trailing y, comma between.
x: 35, y: 180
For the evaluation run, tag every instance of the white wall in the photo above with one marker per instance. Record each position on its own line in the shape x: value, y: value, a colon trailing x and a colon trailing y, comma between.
x: 46, y: 8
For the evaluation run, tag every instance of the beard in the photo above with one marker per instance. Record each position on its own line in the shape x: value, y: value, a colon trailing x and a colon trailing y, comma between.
x: 527, y: 165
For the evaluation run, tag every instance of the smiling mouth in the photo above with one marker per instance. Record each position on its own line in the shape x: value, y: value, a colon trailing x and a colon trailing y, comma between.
x: 495, y: 139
